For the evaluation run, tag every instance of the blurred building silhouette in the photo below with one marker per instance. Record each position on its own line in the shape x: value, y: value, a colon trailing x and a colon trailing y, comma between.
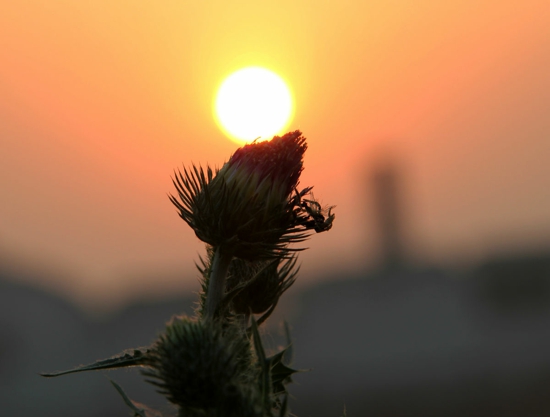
x: 391, y: 343
x: 516, y: 284
x: 427, y: 342
x: 388, y: 211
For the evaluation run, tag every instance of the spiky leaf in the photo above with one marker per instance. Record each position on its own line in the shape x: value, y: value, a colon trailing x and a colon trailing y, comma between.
x: 136, y: 358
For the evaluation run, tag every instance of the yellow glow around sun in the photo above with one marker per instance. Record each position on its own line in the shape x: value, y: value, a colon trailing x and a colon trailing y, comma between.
x: 253, y: 102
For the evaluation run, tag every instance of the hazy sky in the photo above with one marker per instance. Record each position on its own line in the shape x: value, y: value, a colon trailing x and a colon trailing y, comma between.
x: 101, y: 100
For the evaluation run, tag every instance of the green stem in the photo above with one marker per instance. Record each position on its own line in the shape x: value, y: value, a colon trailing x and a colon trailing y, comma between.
x: 216, y: 282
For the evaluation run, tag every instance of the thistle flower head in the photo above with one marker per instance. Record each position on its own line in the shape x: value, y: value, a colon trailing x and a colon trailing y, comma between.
x: 202, y: 366
x: 251, y: 207
x: 277, y: 163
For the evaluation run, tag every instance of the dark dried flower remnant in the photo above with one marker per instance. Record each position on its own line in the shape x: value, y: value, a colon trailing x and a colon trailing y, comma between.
x: 250, y: 208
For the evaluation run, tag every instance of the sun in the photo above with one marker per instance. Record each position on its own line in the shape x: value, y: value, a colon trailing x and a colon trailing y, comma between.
x: 252, y: 103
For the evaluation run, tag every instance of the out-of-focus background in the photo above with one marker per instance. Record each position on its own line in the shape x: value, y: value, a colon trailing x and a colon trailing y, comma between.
x: 428, y: 128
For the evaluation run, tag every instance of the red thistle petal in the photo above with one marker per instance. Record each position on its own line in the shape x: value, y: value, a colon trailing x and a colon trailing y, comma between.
x: 279, y: 159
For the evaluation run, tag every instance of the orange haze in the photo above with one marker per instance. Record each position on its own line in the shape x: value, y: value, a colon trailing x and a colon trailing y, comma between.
x: 101, y: 100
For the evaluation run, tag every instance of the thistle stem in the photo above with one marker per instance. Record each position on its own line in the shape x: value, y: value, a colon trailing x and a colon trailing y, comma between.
x: 216, y: 282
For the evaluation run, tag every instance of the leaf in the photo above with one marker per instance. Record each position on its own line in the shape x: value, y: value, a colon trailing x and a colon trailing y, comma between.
x: 139, y: 409
x: 258, y: 347
x: 121, y: 361
x: 273, y: 369
x: 280, y: 373
x: 264, y: 365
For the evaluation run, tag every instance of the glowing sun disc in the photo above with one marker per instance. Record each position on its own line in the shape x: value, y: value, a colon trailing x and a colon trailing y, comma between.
x: 253, y: 102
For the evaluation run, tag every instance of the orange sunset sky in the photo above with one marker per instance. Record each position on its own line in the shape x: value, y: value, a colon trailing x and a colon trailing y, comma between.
x: 101, y: 100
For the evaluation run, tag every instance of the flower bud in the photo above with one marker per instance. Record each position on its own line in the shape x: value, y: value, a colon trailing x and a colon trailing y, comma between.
x: 259, y: 284
x: 250, y: 207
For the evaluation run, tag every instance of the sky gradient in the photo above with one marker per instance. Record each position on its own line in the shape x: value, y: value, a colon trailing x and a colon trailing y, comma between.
x: 100, y: 101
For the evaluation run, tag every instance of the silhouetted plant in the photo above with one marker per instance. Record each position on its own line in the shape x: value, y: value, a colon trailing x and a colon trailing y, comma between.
x: 248, y: 213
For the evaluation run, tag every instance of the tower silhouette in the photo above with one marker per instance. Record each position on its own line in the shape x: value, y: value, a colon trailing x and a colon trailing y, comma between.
x: 387, y: 194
